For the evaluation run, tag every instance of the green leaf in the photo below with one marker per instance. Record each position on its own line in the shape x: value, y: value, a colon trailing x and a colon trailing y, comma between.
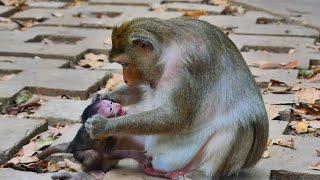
x: 45, y: 142
x: 23, y: 97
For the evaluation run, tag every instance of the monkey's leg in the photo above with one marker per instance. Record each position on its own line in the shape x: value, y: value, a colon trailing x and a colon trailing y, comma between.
x: 146, y: 161
x: 139, y: 156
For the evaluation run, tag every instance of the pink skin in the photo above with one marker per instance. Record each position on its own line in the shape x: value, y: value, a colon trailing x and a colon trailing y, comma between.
x: 109, y: 109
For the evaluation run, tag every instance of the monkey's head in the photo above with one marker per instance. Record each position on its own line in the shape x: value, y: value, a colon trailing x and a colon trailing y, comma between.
x: 103, y: 107
x: 136, y: 45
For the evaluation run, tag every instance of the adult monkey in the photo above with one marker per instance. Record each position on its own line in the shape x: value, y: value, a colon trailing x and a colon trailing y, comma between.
x: 200, y: 108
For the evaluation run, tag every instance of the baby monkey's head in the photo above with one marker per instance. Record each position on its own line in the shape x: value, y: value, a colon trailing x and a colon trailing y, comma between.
x: 105, y: 108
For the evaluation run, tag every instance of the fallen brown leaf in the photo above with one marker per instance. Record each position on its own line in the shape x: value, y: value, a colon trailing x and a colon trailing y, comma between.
x: 266, y: 154
x: 278, y: 87
x: 308, y: 95
x: 291, y: 65
x: 302, y: 127
x: 53, y: 167
x: 315, y: 166
x: 314, y: 79
x: 93, y: 61
x: 8, y: 2
x: 284, y: 143
x: 195, y: 14
x: 6, y: 77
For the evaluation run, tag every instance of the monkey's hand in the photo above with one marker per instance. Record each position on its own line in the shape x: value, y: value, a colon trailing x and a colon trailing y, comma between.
x: 96, y: 126
x: 105, y: 96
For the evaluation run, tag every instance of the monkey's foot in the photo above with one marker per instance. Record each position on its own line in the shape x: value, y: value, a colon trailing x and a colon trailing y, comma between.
x: 157, y: 173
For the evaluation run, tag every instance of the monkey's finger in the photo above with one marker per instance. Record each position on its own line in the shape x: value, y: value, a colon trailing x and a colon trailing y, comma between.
x: 96, y: 97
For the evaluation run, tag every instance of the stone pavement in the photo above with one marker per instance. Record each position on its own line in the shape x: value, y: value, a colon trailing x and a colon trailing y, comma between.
x: 40, y: 45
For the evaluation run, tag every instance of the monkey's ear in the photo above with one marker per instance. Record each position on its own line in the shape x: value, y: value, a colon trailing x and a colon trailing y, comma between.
x: 142, y: 43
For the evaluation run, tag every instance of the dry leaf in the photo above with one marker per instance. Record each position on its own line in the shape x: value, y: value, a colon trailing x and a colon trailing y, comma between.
x: 57, y: 14
x: 221, y: 2
x: 318, y: 152
x: 271, y: 65
x: 315, y: 78
x: 307, y: 109
x: 23, y: 160
x: 72, y: 165
x: 266, y: 154
x: 195, y: 14
x: 284, y: 143
x: 53, y: 167
x: 233, y: 10
x: 114, y: 82
x: 29, y: 149
x: 94, y: 61
x: 302, y: 127
x: 6, y: 77
x: 308, y: 95
x: 278, y: 87
x: 315, y: 166
x: 8, y: 2
x: 291, y: 65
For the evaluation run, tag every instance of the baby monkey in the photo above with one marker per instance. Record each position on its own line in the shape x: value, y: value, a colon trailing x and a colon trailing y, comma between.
x: 96, y: 156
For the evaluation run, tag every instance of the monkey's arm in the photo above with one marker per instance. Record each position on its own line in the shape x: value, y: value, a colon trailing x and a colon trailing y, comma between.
x: 156, y: 121
x: 124, y: 95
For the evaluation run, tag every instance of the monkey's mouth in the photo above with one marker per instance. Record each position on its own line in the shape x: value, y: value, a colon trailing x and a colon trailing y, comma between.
x: 119, y: 111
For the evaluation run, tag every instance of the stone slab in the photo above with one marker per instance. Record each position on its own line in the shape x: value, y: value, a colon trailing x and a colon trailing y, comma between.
x: 15, y: 132
x: 46, y: 4
x: 264, y: 75
x: 6, y: 10
x: 61, y: 110
x: 247, y: 19
x: 125, y: 2
x: 11, y: 174
x: 297, y: 160
x: 193, y: 7
x: 5, y: 26
x: 298, y: 43
x: 22, y: 63
x: 306, y: 12
x: 278, y: 98
x: 81, y: 41
x: 53, y: 82
x: 277, y: 30
x: 254, y: 57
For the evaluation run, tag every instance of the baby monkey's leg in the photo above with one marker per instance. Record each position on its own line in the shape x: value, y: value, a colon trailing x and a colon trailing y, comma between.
x: 146, y: 161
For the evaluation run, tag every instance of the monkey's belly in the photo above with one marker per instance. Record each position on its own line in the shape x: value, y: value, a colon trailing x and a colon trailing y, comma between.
x: 173, y: 152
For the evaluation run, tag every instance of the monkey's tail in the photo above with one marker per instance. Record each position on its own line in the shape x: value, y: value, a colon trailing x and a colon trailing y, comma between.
x: 60, y: 148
